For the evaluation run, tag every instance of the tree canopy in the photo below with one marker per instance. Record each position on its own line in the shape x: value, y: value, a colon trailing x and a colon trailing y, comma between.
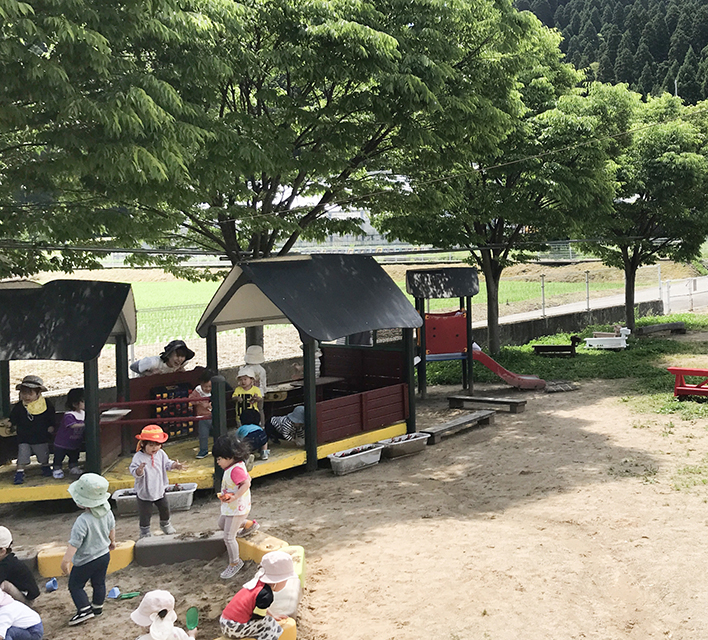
x: 661, y: 204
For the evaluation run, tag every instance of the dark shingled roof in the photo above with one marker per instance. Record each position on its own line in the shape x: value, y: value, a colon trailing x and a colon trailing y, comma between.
x: 452, y: 282
x: 64, y: 319
x: 324, y: 296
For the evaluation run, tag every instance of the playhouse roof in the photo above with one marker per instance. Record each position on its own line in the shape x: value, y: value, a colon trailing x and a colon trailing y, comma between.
x: 324, y: 296
x: 64, y: 319
x: 448, y: 282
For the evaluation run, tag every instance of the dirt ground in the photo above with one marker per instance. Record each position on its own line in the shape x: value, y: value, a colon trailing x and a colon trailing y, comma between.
x: 563, y: 521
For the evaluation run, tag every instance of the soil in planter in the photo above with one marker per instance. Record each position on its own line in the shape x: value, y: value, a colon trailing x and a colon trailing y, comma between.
x: 353, y: 452
x: 169, y: 489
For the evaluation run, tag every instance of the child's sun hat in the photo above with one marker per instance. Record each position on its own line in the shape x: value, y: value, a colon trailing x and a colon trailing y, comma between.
x: 297, y: 415
x: 153, y: 602
x: 152, y: 433
x: 5, y: 538
x: 247, y: 371
x: 32, y: 382
x: 90, y: 491
x: 276, y: 566
x: 254, y: 355
x: 173, y: 346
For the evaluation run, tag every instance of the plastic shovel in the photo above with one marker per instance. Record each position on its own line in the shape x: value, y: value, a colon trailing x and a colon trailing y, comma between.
x: 192, y: 618
x: 127, y: 596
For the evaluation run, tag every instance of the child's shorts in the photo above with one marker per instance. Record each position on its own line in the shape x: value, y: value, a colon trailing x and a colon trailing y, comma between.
x: 25, y: 451
x: 265, y: 629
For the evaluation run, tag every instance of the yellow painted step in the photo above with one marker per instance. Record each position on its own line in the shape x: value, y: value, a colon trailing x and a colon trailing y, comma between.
x: 257, y: 545
x: 49, y: 558
x: 289, y: 630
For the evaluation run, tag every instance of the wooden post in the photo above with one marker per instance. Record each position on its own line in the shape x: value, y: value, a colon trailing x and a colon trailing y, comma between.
x: 212, y: 349
x: 463, y: 363
x: 422, y: 371
x: 409, y: 368
x: 218, y: 419
x: 309, y: 349
x: 4, y: 388
x: 122, y: 380
x: 470, y: 350
x: 92, y: 417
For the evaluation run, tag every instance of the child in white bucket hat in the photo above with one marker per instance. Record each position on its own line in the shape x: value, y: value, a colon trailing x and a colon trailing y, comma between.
x: 92, y: 539
x: 156, y: 611
x: 247, y: 615
x: 255, y: 358
x: 16, y: 578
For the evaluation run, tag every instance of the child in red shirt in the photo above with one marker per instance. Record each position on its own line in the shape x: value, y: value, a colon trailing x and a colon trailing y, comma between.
x: 247, y: 615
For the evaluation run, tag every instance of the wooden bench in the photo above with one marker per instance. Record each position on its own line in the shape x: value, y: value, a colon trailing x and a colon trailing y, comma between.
x: 674, y: 327
x: 558, y: 349
x: 501, y: 404
x: 682, y: 388
x: 458, y: 424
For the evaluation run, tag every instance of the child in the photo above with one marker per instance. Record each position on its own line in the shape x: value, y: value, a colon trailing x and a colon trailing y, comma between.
x: 33, y: 417
x: 70, y: 435
x: 290, y: 427
x: 235, y: 496
x: 252, y: 433
x: 157, y: 611
x: 247, y: 615
x: 203, y: 410
x: 150, y: 466
x: 255, y: 358
x: 92, y: 539
x: 18, y: 621
x: 15, y: 577
x: 247, y: 395
x: 172, y: 359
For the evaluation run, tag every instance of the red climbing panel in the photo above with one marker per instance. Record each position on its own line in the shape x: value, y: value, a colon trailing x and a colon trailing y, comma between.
x: 446, y: 332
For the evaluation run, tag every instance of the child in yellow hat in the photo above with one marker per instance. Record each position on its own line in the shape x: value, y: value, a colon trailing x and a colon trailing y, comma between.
x: 149, y: 467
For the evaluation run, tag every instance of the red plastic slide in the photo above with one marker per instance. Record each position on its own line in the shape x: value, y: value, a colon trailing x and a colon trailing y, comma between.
x: 514, y: 379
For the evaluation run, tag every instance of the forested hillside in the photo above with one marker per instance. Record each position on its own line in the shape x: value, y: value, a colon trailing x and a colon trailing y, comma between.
x: 652, y: 45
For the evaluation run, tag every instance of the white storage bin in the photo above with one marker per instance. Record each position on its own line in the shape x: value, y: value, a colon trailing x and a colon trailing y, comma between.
x: 404, y: 445
x: 179, y: 497
x: 349, y: 460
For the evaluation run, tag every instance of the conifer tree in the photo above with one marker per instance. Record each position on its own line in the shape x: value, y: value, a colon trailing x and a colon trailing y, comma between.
x: 689, y: 85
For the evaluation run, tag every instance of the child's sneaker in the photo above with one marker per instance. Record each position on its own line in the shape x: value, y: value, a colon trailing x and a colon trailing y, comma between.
x: 231, y: 570
x: 47, y: 471
x: 75, y: 471
x: 250, y: 461
x: 167, y: 528
x: 202, y: 454
x: 81, y: 616
x: 58, y: 474
x: 19, y: 477
x: 242, y: 533
x: 97, y: 609
x: 265, y: 454
x: 145, y: 532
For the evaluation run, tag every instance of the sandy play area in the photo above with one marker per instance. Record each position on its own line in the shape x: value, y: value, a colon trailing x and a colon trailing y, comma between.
x: 564, y: 521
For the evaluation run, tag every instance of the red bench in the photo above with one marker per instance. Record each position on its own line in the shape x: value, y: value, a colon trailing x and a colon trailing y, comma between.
x: 682, y: 388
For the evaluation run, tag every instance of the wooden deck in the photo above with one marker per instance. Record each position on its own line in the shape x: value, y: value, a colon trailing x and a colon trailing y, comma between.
x: 281, y: 458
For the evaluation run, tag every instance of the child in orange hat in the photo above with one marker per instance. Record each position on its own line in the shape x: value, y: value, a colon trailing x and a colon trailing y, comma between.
x: 150, y: 466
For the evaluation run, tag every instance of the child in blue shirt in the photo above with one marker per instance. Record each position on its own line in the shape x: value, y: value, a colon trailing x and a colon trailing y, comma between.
x: 252, y: 433
x: 92, y: 539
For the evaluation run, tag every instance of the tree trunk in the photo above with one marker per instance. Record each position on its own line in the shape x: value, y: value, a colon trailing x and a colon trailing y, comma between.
x: 493, y: 334
x: 630, y: 278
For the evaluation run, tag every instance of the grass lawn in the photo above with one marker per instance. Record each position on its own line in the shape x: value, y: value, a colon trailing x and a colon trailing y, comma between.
x: 643, y: 361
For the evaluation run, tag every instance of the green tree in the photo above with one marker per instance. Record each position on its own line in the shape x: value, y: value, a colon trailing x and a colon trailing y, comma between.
x: 661, y: 208
x: 307, y: 103
x: 80, y: 112
x: 503, y: 204
x: 689, y: 85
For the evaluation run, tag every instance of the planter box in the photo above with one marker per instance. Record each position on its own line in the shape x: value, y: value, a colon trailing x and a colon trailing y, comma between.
x: 180, y: 500
x: 349, y: 460
x: 404, y: 445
